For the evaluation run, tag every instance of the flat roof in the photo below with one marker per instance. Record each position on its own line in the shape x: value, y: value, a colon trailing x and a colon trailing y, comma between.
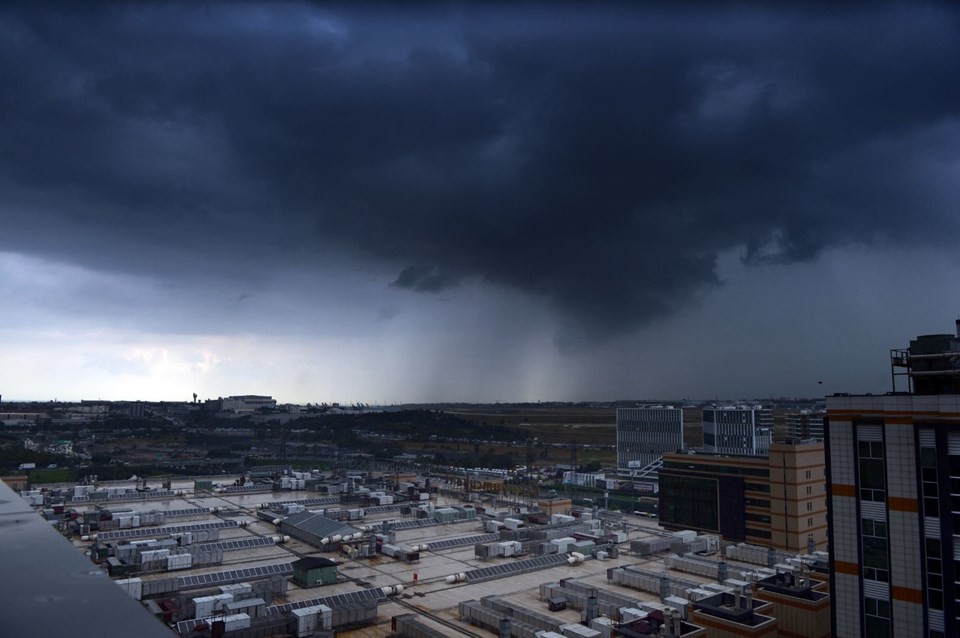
x: 424, y: 580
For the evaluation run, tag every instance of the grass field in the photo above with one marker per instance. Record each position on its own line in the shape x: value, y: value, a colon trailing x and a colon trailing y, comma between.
x: 567, y: 426
x: 53, y: 475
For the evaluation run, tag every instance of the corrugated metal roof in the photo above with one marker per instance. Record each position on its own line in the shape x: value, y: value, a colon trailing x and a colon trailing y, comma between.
x: 313, y: 562
x: 316, y: 524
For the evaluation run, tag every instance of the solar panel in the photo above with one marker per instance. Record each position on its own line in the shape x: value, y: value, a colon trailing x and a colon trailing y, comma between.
x: 136, y: 496
x: 229, y: 546
x: 379, y: 509
x: 195, y: 511
x: 419, y: 522
x: 162, y: 531
x: 461, y: 542
x: 127, y: 496
x: 325, y: 500
x: 517, y: 567
x: 332, y: 601
x: 234, y: 576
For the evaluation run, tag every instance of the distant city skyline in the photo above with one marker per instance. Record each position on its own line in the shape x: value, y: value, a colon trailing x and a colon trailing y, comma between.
x: 473, y: 203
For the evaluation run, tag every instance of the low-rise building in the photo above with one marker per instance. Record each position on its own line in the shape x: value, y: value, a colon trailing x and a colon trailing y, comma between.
x: 734, y: 615
x: 554, y: 505
x: 801, y: 605
x: 314, y: 571
x: 777, y: 500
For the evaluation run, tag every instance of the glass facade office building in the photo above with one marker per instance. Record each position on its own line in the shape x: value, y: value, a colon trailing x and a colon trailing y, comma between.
x: 737, y: 430
x: 645, y: 434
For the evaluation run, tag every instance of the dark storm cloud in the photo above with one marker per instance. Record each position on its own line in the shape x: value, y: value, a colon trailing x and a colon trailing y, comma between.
x: 600, y: 158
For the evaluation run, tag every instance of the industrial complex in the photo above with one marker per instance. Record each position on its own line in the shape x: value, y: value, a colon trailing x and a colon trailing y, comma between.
x: 782, y: 538
x: 315, y: 554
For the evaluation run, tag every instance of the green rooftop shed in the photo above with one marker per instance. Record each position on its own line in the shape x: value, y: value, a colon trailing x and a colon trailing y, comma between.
x: 314, y: 571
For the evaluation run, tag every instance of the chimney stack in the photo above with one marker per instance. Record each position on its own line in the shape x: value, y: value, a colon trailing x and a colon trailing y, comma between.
x: 677, y: 623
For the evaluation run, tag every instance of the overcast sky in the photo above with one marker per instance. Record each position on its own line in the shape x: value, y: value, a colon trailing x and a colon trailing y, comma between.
x: 471, y: 202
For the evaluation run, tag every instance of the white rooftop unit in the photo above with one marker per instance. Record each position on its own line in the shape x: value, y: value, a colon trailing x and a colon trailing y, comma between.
x: 576, y: 630
x: 179, y: 561
x: 310, y: 619
x: 236, y: 589
x: 686, y: 535
x: 698, y: 593
x: 734, y: 583
x: 208, y: 605
x: 604, y: 625
x: 717, y: 587
x: 680, y: 604
x: 133, y: 586
x: 629, y: 614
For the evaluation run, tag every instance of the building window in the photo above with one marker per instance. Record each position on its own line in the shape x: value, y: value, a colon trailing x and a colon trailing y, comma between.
x: 809, y: 522
x: 758, y: 533
x: 877, y: 617
x: 873, y: 528
x: 809, y: 506
x: 934, y: 573
x: 808, y: 476
x: 872, y: 480
x: 689, y: 501
x: 874, y: 542
x: 809, y: 490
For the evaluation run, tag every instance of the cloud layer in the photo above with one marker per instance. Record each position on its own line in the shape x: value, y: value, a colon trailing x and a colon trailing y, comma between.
x: 598, y: 159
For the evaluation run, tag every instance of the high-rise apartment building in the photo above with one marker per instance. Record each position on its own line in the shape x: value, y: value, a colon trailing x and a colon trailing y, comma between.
x: 737, y: 429
x: 803, y: 425
x: 644, y: 434
x: 893, y: 465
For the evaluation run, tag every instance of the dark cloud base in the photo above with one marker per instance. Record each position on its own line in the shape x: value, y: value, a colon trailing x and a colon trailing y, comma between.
x: 600, y: 158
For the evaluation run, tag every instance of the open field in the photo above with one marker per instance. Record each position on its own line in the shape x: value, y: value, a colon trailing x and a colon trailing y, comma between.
x: 51, y: 475
x: 566, y: 426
